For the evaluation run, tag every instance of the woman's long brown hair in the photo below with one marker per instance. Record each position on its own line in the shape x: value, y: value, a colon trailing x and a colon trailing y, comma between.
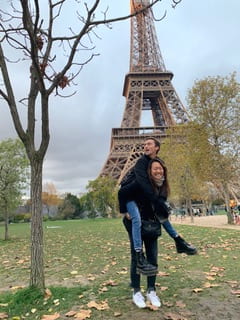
x: 164, y: 190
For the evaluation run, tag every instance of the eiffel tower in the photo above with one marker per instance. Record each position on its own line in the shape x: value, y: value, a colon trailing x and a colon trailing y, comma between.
x: 147, y: 86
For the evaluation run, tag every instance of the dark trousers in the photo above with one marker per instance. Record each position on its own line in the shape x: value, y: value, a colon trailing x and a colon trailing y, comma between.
x: 151, y: 249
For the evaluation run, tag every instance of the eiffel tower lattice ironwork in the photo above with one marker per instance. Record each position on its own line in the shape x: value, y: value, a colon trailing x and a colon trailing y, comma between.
x: 147, y: 86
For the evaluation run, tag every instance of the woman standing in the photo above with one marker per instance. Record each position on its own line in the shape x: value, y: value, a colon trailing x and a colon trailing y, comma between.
x: 157, y: 173
x: 147, y: 212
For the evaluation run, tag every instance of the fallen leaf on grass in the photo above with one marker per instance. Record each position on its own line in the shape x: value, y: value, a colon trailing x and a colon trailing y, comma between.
x: 20, y: 261
x: 99, y: 306
x: 70, y: 313
x: 237, y: 292
x: 104, y: 289
x: 151, y: 307
x: 3, y: 315
x: 50, y: 316
x: 168, y: 258
x: 210, y: 285
x: 17, y: 287
x: 83, y: 314
x: 3, y: 304
x: 196, y: 290
x: 217, y: 269
x: 173, y: 316
x: 47, y: 294
x: 168, y: 304
x: 121, y: 272
x: 117, y: 314
x: 111, y: 283
x: 163, y: 274
x: 233, y: 284
x: 74, y: 272
x: 180, y: 304
x: 210, y: 278
x: 172, y: 268
x: 211, y: 273
x: 163, y: 288
x: 106, y: 269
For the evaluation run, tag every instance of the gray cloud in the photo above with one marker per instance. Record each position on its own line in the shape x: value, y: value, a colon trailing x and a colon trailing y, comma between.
x: 197, y: 39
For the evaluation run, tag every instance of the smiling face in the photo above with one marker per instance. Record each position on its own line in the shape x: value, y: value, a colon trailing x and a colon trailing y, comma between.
x: 156, y: 171
x: 150, y: 148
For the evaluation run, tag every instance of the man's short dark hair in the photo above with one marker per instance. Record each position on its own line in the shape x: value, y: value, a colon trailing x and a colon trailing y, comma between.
x: 157, y: 143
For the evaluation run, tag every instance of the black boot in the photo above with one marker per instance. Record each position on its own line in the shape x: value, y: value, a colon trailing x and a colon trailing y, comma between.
x: 143, y: 266
x: 183, y: 247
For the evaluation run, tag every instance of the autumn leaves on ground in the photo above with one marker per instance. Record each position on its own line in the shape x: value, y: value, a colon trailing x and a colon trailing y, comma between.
x: 87, y: 274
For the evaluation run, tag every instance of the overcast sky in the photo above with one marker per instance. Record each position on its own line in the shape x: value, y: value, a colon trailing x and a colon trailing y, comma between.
x: 199, y: 38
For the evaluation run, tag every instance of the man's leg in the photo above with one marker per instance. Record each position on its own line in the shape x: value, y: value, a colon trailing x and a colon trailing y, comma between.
x: 126, y: 193
x: 134, y: 213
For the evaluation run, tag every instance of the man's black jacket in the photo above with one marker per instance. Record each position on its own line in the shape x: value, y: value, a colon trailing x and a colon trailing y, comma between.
x: 138, y: 181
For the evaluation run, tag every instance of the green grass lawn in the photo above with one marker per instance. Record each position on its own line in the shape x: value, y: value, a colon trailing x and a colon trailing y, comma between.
x: 88, y: 260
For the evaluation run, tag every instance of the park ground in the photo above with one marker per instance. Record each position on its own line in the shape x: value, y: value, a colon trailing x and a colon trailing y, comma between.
x: 87, y: 268
x: 215, y: 221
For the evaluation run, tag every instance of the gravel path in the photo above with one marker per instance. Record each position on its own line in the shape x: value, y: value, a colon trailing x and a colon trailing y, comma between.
x: 218, y: 221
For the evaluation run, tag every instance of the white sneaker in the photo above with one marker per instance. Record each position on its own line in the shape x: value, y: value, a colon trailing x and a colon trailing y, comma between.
x: 138, y: 299
x: 153, y: 299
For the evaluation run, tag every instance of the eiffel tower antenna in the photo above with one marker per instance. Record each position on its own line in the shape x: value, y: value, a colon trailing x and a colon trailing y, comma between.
x: 147, y: 86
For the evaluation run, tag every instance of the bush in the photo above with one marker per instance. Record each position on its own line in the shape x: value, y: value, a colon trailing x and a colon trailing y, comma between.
x: 22, y: 217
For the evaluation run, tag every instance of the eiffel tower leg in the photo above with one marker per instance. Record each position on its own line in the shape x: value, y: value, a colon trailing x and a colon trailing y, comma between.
x: 132, y: 113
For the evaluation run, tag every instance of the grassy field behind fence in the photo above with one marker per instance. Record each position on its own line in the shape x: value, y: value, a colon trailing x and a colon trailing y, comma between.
x: 87, y: 261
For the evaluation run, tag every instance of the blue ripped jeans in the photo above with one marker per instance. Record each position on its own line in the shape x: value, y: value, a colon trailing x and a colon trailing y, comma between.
x: 169, y: 229
x: 136, y: 225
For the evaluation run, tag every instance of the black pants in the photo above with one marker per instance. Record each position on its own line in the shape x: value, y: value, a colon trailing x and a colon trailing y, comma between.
x: 151, y: 249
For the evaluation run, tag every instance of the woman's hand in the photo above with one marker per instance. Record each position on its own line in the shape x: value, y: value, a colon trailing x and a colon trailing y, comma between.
x: 127, y: 215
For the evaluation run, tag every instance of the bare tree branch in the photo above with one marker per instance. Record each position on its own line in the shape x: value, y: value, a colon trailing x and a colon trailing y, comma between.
x: 9, y: 96
x: 175, y: 3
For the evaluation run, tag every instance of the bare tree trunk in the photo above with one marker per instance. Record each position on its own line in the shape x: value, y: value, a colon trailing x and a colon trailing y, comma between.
x: 227, y: 204
x: 6, y: 222
x: 37, y: 263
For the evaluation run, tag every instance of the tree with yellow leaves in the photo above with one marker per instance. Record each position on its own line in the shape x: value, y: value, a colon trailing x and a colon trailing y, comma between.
x: 214, y: 104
